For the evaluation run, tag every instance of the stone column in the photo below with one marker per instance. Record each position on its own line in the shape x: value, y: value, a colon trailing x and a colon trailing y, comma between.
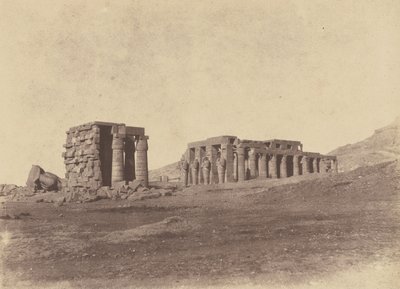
x: 253, y: 164
x: 262, y: 166
x: 205, y: 167
x: 211, y: 155
x: 284, y: 173
x: 117, y: 171
x: 195, y: 171
x: 197, y: 157
x: 129, y: 158
x: 241, y: 168
x: 184, y: 171
x: 296, y: 169
x: 322, y: 166
x: 221, y: 163
x: 235, y: 167
x: 305, y: 162
x: 273, y: 170
x: 314, y: 165
x: 141, y: 160
x: 335, y: 166
x: 227, y: 154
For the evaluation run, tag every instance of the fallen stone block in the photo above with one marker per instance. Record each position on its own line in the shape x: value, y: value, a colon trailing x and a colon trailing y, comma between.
x: 7, y: 189
x: 118, y: 185
x: 134, y: 185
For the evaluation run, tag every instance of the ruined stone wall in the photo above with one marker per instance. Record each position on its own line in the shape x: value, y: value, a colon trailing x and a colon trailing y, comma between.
x: 82, y: 157
x: 249, y: 159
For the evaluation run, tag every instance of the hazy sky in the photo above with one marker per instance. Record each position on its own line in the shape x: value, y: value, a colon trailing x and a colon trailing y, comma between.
x: 323, y: 72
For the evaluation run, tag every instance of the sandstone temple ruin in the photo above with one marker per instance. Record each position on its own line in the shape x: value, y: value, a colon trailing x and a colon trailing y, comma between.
x: 103, y: 153
x: 229, y: 159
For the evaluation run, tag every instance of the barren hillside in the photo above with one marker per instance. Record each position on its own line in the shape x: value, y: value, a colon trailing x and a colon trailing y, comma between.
x: 382, y: 146
x: 171, y: 170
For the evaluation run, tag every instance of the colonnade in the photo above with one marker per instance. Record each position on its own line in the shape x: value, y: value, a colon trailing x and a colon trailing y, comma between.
x: 124, y: 167
x: 252, y: 165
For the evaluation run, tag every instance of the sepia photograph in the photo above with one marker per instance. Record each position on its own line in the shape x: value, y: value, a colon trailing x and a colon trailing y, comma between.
x: 200, y: 144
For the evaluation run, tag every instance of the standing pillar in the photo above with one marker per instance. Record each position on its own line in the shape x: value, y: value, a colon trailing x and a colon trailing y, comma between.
x: 205, y: 167
x: 241, y: 168
x: 129, y: 158
x: 284, y: 173
x: 117, y: 171
x: 322, y: 166
x: 221, y: 164
x: 197, y: 158
x: 235, y: 167
x: 253, y: 164
x: 262, y: 166
x: 296, y: 169
x: 227, y: 154
x: 273, y: 170
x: 335, y: 166
x: 195, y: 171
x: 314, y: 165
x: 184, y: 171
x: 141, y: 160
x: 306, y: 166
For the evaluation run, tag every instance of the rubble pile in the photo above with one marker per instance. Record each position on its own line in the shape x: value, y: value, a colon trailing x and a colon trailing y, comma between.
x: 48, y: 188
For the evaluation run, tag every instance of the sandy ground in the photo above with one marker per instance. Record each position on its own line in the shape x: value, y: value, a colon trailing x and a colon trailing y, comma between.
x: 334, y: 231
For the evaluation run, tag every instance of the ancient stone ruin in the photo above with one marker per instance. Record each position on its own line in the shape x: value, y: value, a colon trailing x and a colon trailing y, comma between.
x: 229, y: 159
x: 103, y: 154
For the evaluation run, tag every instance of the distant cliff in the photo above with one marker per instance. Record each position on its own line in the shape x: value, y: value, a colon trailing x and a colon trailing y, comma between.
x: 383, y: 145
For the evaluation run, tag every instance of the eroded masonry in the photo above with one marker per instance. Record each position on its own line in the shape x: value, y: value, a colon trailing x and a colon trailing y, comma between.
x: 103, y: 153
x: 229, y: 159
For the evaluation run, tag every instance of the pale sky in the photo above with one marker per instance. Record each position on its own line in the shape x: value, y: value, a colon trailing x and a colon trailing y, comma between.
x: 326, y: 73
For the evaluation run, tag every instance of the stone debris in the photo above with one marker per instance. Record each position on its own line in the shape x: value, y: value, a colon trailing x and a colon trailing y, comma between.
x: 7, y: 189
x: 132, y: 192
x: 39, y: 179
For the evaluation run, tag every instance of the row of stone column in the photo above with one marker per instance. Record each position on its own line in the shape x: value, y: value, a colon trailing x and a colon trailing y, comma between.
x: 124, y: 169
x: 266, y: 165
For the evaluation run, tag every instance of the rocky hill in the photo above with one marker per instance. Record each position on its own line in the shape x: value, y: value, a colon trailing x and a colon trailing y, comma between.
x: 171, y: 170
x: 382, y: 146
